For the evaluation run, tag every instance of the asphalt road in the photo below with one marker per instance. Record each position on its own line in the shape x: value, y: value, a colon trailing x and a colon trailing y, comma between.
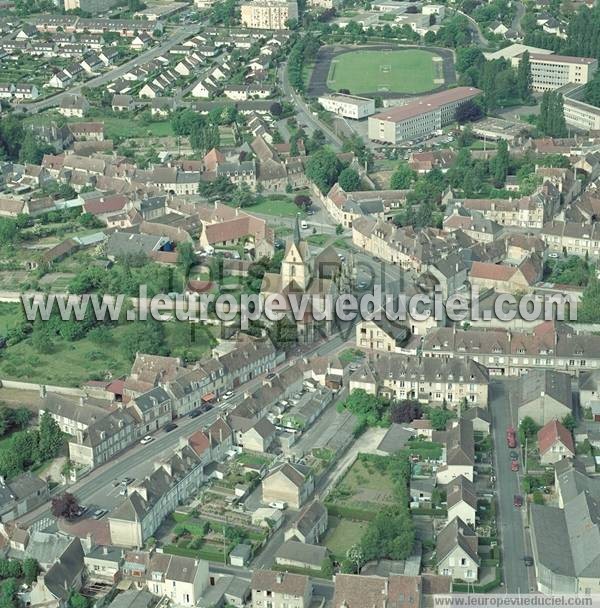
x: 172, y: 39
x: 303, y: 114
x: 476, y: 29
x: 510, y: 519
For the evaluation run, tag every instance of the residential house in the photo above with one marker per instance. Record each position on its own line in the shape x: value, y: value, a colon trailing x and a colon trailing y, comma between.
x: 544, y: 395
x: 289, y: 483
x: 65, y: 575
x: 589, y: 388
x: 460, y: 452
x: 381, y: 335
x: 25, y: 92
x: 555, y: 442
x: 462, y: 500
x: 430, y: 380
x: 103, y: 564
x: 480, y: 418
x: 20, y: 495
x: 311, y: 525
x: 73, y: 105
x: 272, y: 589
x: 505, y: 278
x: 259, y: 437
x: 295, y: 554
x: 122, y: 103
x: 456, y: 552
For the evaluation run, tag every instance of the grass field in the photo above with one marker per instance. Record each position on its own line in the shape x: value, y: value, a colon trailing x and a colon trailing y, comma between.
x: 72, y: 363
x: 401, y: 71
x: 278, y: 204
x: 342, y: 534
x: 364, y: 487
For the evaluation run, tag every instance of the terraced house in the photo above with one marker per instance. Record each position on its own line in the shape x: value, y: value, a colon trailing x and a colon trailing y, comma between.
x: 429, y: 380
x: 550, y: 345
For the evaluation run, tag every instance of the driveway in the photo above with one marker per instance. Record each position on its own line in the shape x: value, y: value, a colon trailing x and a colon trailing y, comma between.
x: 510, y: 519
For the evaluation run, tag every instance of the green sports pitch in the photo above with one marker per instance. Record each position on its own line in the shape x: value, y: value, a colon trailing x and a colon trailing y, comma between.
x: 383, y: 71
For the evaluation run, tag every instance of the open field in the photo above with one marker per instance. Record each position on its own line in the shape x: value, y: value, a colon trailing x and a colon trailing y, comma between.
x: 278, y: 205
x: 72, y: 363
x: 371, y: 71
x: 364, y: 486
x: 342, y: 534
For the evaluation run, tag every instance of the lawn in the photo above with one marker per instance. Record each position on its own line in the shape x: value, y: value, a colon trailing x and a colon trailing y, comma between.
x: 398, y: 71
x: 342, y: 534
x: 277, y: 205
x: 364, y: 486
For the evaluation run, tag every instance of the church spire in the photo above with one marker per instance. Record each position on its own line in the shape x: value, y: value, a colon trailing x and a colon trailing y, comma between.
x: 297, y: 237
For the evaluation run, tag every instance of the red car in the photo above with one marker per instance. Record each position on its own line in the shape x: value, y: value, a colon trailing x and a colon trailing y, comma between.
x: 514, y: 465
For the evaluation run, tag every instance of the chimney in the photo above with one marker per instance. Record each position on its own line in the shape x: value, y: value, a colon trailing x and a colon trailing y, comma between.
x: 279, y: 578
x: 42, y: 391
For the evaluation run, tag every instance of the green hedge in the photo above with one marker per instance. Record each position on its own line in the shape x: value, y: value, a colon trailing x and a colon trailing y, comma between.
x: 350, y: 512
x: 207, y: 554
x: 432, y: 512
x: 305, y: 571
x: 464, y: 588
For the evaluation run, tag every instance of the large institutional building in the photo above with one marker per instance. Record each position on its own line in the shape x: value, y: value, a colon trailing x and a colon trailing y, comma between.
x: 349, y: 106
x: 551, y: 72
x: 269, y: 14
x: 419, y: 118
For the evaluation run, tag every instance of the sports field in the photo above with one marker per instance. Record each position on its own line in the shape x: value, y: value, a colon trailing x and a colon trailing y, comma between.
x: 398, y: 71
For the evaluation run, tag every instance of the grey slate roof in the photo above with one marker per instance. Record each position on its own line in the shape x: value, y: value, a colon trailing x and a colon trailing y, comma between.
x: 553, y: 384
x: 302, y: 552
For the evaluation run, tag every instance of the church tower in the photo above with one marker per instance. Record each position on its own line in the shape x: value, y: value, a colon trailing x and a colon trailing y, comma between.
x: 295, y: 268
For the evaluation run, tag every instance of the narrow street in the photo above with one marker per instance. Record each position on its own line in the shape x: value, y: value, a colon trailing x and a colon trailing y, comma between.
x: 510, y: 519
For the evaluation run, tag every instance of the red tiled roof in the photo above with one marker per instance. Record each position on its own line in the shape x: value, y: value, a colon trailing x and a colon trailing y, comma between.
x: 552, y: 432
x: 494, y: 272
x: 105, y: 204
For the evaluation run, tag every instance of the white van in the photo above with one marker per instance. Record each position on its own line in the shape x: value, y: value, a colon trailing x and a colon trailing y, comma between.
x: 304, y: 224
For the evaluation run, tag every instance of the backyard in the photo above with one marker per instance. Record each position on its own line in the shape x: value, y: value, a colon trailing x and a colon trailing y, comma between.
x: 342, y: 534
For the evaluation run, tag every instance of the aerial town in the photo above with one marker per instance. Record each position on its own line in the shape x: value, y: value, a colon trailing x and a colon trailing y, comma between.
x: 251, y: 154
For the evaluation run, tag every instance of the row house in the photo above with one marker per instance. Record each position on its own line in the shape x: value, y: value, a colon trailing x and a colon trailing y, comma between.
x: 427, y: 379
x: 175, y: 479
x: 550, y: 345
x: 526, y: 212
x: 565, y: 237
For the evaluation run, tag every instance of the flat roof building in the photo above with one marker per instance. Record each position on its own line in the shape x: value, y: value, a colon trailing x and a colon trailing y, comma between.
x: 349, y: 106
x: 419, y: 118
x: 269, y: 14
x: 550, y: 72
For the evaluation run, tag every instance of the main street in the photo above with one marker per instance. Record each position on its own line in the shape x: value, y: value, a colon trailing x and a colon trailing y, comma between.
x: 508, y: 483
x: 98, y: 490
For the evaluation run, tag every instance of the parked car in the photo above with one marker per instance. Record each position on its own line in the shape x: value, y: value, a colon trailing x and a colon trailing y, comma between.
x: 528, y: 560
x: 170, y: 426
x: 195, y: 413
x: 81, y: 510
x: 123, y: 491
x: 126, y: 481
x: 147, y: 439
x: 514, y: 465
x: 100, y: 513
x: 514, y: 455
x: 278, y: 504
x: 518, y: 501
x: 227, y: 395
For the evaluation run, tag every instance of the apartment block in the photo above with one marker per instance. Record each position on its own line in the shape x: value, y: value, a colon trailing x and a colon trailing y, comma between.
x: 419, y: 118
x: 348, y: 106
x: 268, y: 14
x: 550, y: 72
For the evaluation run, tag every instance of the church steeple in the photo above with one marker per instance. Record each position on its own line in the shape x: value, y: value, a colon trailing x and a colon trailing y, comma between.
x: 297, y: 237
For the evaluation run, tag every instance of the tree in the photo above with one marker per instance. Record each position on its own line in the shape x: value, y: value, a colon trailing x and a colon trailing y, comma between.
x: 339, y: 229
x: 64, y: 505
x: 551, y: 120
x: 243, y: 196
x: 500, y: 164
x: 469, y: 111
x: 186, y: 257
x: 406, y: 411
x: 569, y: 422
x: 76, y: 600
x: 51, y: 437
x: 439, y: 418
x: 323, y: 169
x: 31, y: 569
x: 349, y: 180
x: 33, y: 149
x: 303, y: 201
x: 327, y: 567
x: 528, y: 427
x: 592, y: 91
x: 524, y: 77
x: 402, y: 178
x: 370, y: 409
